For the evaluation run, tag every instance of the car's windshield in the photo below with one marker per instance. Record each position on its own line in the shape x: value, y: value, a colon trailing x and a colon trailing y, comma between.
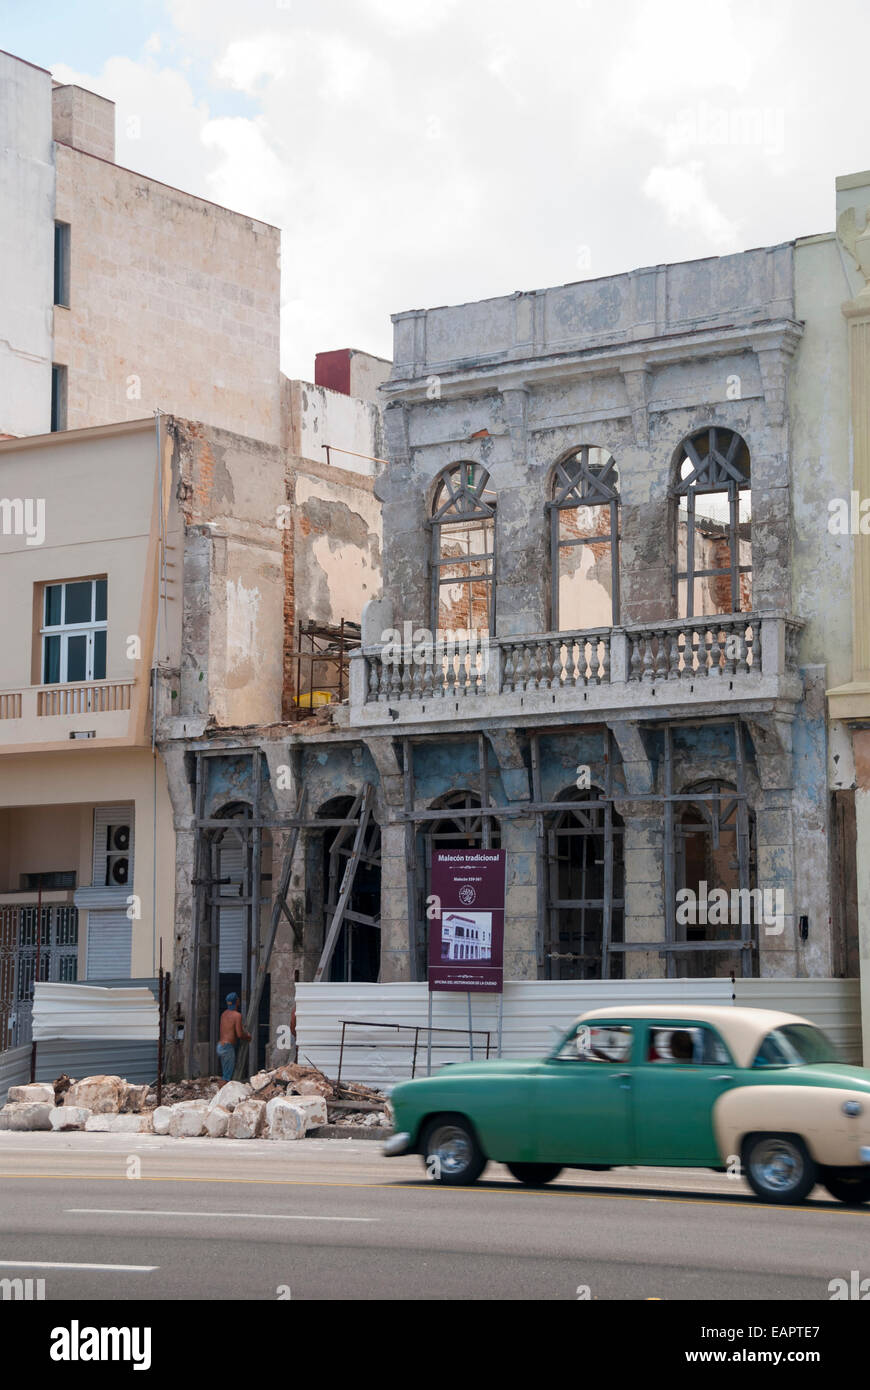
x: 795, y: 1045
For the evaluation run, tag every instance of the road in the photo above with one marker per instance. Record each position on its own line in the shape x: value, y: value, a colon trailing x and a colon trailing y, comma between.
x: 333, y: 1219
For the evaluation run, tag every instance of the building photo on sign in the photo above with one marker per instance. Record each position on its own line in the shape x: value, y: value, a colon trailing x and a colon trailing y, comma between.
x: 466, y: 935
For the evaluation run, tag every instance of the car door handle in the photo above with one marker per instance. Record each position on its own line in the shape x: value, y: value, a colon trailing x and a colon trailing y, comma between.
x: 624, y: 1079
x: 723, y: 1077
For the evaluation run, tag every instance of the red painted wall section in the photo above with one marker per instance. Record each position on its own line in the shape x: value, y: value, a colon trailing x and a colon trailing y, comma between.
x: 332, y: 370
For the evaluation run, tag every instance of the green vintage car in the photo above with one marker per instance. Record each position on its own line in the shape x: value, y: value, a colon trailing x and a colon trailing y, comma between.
x: 731, y: 1089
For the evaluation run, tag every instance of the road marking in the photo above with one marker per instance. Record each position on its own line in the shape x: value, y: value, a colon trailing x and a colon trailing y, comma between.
x: 223, y: 1215
x: 519, y: 1190
x: 63, y: 1264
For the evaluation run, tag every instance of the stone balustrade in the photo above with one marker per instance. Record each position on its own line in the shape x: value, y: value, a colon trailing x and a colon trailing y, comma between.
x: 683, y: 662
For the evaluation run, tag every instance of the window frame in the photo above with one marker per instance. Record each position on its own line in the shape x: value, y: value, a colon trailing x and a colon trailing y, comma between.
x: 632, y: 1025
x: 61, y: 265
x: 658, y: 1025
x: 590, y: 488
x: 65, y: 630
x: 462, y: 501
x: 714, y: 472
x: 58, y: 397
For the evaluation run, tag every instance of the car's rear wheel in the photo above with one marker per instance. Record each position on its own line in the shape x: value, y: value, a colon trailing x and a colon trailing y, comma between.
x: 534, y: 1174
x: 451, y: 1152
x: 778, y: 1167
x: 853, y: 1189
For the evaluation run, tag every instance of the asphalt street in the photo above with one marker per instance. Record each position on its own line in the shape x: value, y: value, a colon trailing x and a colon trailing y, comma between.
x: 114, y: 1216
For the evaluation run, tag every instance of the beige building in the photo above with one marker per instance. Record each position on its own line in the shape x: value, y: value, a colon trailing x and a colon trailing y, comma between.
x: 82, y: 791
x: 120, y: 295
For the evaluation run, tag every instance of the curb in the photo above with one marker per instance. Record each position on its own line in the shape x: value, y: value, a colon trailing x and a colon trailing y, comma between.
x: 348, y: 1132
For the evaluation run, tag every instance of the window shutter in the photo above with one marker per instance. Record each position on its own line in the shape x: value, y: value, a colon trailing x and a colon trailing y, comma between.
x: 110, y: 945
x: 232, y: 934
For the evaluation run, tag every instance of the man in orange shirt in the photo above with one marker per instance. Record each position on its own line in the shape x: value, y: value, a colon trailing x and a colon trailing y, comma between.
x: 232, y: 1031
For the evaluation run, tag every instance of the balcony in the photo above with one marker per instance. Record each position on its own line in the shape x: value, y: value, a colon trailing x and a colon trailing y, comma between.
x: 669, y: 669
x: 42, y: 714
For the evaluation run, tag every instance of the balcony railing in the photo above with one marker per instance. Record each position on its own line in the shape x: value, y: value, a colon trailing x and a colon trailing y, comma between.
x: 96, y: 697
x: 679, y: 661
x: 29, y: 714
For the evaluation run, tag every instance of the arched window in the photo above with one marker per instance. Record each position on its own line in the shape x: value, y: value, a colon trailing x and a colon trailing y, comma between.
x: 463, y: 550
x: 584, y: 541
x: 713, y: 571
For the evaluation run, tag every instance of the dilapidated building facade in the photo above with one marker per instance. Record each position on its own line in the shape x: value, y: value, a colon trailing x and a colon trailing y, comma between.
x: 610, y: 609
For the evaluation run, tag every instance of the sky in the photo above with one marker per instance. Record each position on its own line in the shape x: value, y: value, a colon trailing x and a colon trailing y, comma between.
x: 425, y: 152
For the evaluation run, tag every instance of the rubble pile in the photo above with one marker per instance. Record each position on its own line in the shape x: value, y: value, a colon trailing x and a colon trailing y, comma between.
x: 285, y: 1102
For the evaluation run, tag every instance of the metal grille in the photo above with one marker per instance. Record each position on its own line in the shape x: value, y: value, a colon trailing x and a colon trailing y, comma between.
x: 55, y: 957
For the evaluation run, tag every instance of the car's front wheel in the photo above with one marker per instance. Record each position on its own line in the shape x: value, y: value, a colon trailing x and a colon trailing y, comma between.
x: 778, y: 1167
x: 451, y: 1152
x: 534, y: 1174
x: 853, y: 1189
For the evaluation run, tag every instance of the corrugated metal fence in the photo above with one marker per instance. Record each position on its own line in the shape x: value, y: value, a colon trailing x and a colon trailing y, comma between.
x: 14, y: 1069
x: 130, y: 1056
x: 535, y: 1012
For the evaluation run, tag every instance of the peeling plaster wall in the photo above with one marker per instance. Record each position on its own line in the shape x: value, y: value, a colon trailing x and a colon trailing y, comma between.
x: 337, y: 547
x: 821, y: 457
x: 332, y: 529
x: 231, y: 490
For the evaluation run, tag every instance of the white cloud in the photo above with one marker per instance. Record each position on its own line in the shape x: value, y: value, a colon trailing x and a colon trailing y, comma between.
x: 419, y: 152
x: 245, y: 63
x: 681, y: 193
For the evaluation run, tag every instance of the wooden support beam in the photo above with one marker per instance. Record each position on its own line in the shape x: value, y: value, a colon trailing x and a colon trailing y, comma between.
x: 278, y: 906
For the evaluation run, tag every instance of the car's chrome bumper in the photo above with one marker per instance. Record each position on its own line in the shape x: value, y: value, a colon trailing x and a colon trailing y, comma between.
x: 864, y: 1154
x: 397, y: 1144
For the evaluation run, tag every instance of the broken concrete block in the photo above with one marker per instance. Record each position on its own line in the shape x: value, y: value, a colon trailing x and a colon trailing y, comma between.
x: 187, y: 1118
x: 69, y: 1116
x: 133, y: 1098
x: 285, y: 1120
x: 247, y: 1120
x: 39, y: 1091
x: 292, y: 1118
x: 216, y: 1122
x: 229, y: 1095
x: 26, y: 1114
x: 314, y: 1106
x: 160, y: 1118
x: 118, y: 1124
x: 311, y: 1087
x: 261, y: 1080
x: 101, y: 1094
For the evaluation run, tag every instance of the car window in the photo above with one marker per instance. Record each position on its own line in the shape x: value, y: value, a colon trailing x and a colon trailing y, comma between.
x: 598, y: 1042
x: 795, y: 1045
x: 685, y: 1046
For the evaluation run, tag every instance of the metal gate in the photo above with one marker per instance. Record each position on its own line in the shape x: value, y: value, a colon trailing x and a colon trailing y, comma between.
x: 24, y: 959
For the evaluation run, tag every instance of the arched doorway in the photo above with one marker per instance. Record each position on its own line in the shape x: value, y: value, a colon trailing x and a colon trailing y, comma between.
x: 238, y: 864
x: 713, y: 854
x: 357, y: 954
x: 585, y: 881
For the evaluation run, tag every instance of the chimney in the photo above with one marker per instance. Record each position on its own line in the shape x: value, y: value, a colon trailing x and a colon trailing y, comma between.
x: 83, y: 120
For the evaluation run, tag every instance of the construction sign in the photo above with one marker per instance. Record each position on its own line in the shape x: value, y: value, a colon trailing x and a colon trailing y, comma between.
x: 466, y: 937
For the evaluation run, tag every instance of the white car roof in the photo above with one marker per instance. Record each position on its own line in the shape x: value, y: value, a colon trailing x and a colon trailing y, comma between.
x: 743, y: 1029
